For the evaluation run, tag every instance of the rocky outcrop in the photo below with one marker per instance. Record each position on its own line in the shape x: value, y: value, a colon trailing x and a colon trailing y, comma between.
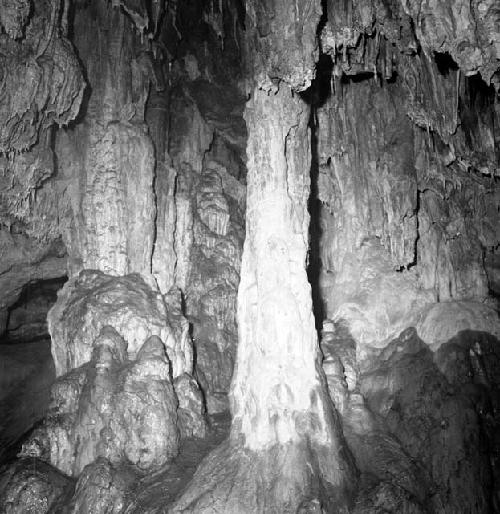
x: 205, y: 167
x: 107, y: 162
x: 101, y: 488
x: 401, y: 225
x: 32, y: 486
x: 419, y: 423
x: 214, y: 275
x: 451, y: 437
x: 41, y: 85
x: 92, y: 300
x: 112, y: 408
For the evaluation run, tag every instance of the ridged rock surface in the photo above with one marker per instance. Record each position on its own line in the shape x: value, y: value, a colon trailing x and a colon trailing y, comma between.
x: 41, y: 85
x: 39, y: 56
x: 125, y: 411
x: 201, y: 188
x: 399, y: 229
x: 92, y: 300
x: 101, y: 488
x: 30, y: 486
x: 108, y: 161
x: 279, y: 403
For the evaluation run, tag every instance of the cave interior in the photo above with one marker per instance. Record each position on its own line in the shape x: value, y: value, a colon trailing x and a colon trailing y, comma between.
x: 249, y: 256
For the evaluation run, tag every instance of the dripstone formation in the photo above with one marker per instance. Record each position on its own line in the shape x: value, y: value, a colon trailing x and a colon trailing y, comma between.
x: 261, y: 240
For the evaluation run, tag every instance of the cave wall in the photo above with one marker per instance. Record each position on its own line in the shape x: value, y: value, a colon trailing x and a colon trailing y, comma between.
x: 408, y: 211
x: 402, y: 223
x: 205, y: 137
x: 151, y: 176
x: 37, y: 54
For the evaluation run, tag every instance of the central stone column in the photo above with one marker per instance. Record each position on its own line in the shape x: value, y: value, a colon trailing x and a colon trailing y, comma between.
x: 277, y: 394
x: 286, y: 452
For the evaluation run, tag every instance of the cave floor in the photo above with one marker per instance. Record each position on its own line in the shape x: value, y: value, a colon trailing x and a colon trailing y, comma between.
x: 154, y: 493
x: 26, y: 375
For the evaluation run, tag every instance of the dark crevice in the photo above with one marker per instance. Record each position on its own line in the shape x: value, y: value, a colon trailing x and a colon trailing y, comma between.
x: 445, y: 63
x: 320, y: 90
x: 316, y: 96
x: 414, y: 262
x: 322, y: 21
x: 358, y: 77
x: 315, y: 230
x: 26, y: 317
x: 476, y: 107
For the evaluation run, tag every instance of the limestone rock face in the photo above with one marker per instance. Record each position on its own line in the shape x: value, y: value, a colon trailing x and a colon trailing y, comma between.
x: 191, y: 412
x: 287, y: 58
x: 32, y: 487
x: 463, y: 30
x: 42, y: 85
x: 165, y: 257
x: 107, y: 163
x: 357, y: 145
x: 395, y: 236
x: 92, y: 300
x: 214, y: 277
x: 454, y: 455
x: 439, y: 323
x: 200, y: 136
x: 101, y: 488
x: 207, y: 151
x: 415, y: 453
x: 46, y: 64
x: 110, y: 407
x: 25, y: 259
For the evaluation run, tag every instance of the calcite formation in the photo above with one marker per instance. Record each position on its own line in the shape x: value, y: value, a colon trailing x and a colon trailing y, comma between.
x: 461, y: 29
x: 101, y: 488
x: 108, y: 161
x: 280, y: 410
x: 32, y: 489
x: 41, y: 58
x: 41, y: 85
x: 112, y: 408
x: 92, y: 300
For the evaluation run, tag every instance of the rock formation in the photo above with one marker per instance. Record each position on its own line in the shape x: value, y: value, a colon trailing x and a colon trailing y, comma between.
x: 273, y: 229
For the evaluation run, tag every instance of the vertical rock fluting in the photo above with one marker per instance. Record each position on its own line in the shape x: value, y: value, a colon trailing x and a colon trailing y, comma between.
x: 107, y: 210
x: 108, y: 160
x: 41, y: 84
x: 409, y: 209
x: 402, y: 168
x: 276, y: 325
x: 282, y: 400
x: 201, y: 203
x: 286, y: 449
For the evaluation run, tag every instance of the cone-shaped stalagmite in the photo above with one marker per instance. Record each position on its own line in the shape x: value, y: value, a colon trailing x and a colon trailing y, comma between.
x: 286, y: 452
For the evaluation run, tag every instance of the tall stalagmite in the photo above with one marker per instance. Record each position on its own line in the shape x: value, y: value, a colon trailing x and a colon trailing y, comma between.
x: 286, y: 448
